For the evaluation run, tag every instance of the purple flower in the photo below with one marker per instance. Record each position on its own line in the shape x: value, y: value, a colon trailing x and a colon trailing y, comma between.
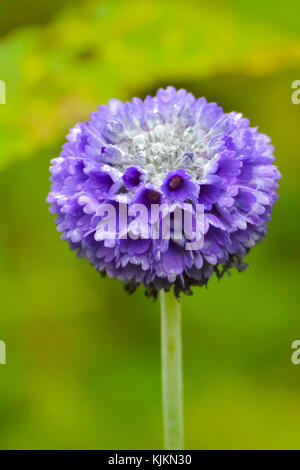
x: 178, y: 186
x: 167, y: 150
x: 132, y: 177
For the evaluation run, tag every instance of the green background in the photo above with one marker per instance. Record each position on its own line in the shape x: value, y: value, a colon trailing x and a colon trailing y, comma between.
x: 83, y: 357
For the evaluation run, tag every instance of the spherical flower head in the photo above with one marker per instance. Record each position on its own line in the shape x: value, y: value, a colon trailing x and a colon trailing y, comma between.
x: 174, y: 152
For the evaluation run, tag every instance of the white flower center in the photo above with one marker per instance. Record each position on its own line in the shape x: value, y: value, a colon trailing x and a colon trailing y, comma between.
x: 166, y: 147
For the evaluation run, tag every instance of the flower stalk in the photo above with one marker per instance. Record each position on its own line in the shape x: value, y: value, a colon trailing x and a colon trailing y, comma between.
x: 172, y: 389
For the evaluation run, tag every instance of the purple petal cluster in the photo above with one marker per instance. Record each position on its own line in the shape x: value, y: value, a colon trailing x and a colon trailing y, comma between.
x: 167, y: 149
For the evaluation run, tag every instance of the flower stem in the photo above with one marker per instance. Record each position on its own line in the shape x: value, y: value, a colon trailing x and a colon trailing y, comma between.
x: 171, y: 370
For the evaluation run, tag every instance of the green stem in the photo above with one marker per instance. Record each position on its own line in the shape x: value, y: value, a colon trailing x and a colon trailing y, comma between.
x: 171, y: 370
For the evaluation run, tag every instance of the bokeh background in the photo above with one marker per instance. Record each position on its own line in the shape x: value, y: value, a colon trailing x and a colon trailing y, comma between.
x: 83, y: 357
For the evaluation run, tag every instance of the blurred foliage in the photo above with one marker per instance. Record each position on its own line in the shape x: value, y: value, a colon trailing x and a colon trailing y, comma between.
x: 97, y: 50
x: 29, y: 12
x: 83, y: 357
